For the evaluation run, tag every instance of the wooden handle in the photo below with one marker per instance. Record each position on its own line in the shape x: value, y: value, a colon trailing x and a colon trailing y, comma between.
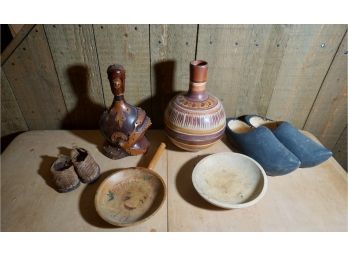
x: 157, y: 155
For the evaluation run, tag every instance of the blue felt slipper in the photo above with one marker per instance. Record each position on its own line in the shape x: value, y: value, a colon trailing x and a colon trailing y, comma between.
x: 309, y: 152
x: 261, y: 145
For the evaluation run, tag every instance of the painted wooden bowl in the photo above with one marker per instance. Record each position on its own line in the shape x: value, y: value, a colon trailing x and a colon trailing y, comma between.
x: 230, y: 180
x: 196, y: 119
x: 132, y: 195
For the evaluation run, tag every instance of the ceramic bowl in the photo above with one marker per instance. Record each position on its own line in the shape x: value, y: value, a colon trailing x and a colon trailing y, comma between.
x: 230, y: 180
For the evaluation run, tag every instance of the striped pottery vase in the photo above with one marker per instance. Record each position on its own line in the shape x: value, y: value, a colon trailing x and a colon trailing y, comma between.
x: 196, y: 119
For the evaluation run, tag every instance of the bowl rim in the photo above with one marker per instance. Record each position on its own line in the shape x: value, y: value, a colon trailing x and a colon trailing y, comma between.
x: 231, y: 206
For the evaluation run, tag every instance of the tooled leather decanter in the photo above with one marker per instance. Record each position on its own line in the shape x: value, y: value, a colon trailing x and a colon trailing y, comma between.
x: 123, y: 125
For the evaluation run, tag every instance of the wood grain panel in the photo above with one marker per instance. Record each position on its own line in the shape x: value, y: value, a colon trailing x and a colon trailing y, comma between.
x: 12, y: 120
x: 328, y: 116
x: 15, y: 42
x: 308, y: 55
x: 172, y: 49
x: 277, y: 43
x: 15, y: 28
x: 340, y: 149
x: 75, y: 57
x: 31, y: 73
x: 127, y: 45
x: 236, y: 55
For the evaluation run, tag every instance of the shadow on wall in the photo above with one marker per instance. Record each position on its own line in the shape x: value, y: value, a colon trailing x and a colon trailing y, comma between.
x: 86, y: 113
x: 163, y: 92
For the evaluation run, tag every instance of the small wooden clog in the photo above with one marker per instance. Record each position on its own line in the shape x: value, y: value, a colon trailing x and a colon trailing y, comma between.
x: 64, y: 175
x: 85, y: 166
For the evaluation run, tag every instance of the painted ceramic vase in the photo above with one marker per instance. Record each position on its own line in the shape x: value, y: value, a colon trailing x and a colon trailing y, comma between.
x: 123, y: 125
x: 196, y: 119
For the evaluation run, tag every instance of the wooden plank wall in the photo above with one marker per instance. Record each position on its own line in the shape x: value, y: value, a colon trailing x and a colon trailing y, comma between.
x: 31, y: 73
x: 56, y: 77
x: 172, y: 49
x: 127, y: 45
x: 11, y: 116
x: 328, y: 116
x: 340, y: 149
x: 74, y: 53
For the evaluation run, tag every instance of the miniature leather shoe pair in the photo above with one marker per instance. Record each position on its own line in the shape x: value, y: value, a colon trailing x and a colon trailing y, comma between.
x: 278, y: 146
x: 69, y: 171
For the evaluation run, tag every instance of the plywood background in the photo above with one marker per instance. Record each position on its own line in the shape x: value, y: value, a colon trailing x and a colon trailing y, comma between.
x: 56, y: 76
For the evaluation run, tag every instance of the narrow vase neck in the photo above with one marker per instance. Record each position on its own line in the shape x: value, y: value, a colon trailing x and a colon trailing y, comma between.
x: 118, y: 103
x: 119, y: 98
x: 198, y: 80
x: 197, y: 91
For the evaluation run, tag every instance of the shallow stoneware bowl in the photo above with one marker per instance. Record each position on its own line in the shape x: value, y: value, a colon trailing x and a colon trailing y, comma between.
x: 230, y: 180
